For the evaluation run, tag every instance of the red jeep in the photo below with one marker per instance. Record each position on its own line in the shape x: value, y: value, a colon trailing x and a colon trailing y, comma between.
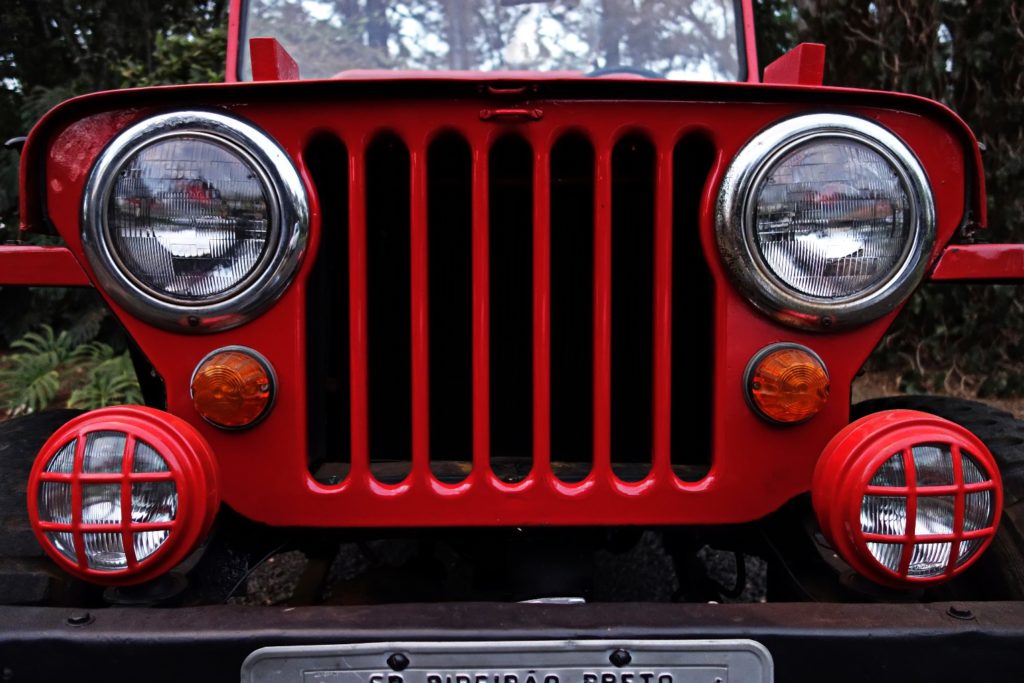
x: 559, y: 325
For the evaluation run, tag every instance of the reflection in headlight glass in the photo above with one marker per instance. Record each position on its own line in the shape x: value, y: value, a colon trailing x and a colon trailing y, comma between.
x: 833, y: 219
x: 189, y: 218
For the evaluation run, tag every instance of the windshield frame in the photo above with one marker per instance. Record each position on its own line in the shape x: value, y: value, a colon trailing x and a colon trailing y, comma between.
x: 745, y: 45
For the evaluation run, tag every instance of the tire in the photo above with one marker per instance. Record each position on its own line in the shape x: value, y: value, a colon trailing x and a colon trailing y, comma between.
x: 999, y: 573
x: 27, y: 576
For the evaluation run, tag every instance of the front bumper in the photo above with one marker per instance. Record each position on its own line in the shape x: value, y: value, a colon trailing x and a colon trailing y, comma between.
x: 833, y: 642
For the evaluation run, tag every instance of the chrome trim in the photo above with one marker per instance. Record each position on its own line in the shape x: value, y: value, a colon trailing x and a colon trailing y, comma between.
x: 288, y: 203
x: 734, y: 224
x: 752, y: 364
x: 259, y: 358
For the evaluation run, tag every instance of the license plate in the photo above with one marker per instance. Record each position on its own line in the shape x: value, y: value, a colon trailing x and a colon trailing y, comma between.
x: 548, y: 661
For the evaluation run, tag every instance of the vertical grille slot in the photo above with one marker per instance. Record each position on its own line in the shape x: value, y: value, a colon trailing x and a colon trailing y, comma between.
x: 449, y: 217
x: 572, y: 275
x: 692, y: 312
x: 632, y: 307
x: 327, y: 307
x: 511, y: 280
x: 388, y: 287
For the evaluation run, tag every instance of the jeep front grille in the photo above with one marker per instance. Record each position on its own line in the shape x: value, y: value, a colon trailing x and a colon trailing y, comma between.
x: 518, y: 299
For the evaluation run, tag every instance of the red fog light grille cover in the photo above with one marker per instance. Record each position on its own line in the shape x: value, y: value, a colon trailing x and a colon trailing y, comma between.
x: 122, y: 495
x: 907, y: 498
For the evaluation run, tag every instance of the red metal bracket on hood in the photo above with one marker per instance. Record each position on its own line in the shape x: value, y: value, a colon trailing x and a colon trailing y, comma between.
x: 271, y: 62
x: 803, y: 65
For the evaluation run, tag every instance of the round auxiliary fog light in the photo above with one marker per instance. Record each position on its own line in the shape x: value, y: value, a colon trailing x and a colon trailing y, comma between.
x: 233, y: 387
x: 786, y: 383
x: 119, y: 496
x: 908, y: 499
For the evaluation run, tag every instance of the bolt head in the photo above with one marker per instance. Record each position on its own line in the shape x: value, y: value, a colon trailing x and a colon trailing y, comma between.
x: 620, y: 658
x: 79, y: 619
x: 398, y: 661
x: 958, y: 612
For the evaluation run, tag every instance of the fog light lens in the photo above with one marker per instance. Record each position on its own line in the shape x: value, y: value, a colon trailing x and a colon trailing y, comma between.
x: 122, y: 495
x: 787, y: 383
x: 233, y: 387
x: 906, y: 497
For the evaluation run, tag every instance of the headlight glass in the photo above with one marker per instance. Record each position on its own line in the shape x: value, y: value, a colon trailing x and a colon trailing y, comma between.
x: 825, y: 221
x: 194, y: 221
x: 189, y: 218
x: 832, y: 219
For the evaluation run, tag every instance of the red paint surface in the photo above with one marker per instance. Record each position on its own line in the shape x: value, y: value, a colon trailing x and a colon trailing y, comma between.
x: 40, y: 266
x: 192, y: 469
x: 750, y: 41
x: 481, y: 324
x: 803, y: 65
x: 852, y: 458
x: 420, y: 313
x: 602, y: 310
x: 358, y: 348
x: 980, y: 262
x: 757, y: 466
x: 662, y: 437
x: 270, y: 61
x: 542, y: 313
x: 234, y: 35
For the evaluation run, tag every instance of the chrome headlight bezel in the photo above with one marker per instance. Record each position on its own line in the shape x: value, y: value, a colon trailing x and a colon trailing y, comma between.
x: 288, y: 206
x: 735, y: 223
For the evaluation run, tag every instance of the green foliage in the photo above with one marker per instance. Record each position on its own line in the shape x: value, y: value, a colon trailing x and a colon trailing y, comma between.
x: 56, y: 347
x: 776, y: 23
x: 79, y: 312
x: 110, y: 382
x: 47, y: 368
x: 51, y: 50
x: 179, y: 58
x: 29, y: 383
x: 963, y: 340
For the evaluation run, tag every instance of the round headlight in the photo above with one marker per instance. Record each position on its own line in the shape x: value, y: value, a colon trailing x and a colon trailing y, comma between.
x: 194, y: 220
x: 826, y: 221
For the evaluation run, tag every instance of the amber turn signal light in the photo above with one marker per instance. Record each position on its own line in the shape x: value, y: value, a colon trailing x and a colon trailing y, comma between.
x: 787, y: 383
x: 233, y: 387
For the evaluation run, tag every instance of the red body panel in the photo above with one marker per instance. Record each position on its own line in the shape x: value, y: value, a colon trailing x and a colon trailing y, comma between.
x: 41, y: 267
x: 756, y: 466
x: 981, y: 262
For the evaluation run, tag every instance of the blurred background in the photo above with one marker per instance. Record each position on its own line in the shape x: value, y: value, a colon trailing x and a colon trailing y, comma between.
x: 60, y: 347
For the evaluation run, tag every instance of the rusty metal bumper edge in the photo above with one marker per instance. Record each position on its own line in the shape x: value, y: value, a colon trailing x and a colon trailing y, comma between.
x: 834, y: 642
